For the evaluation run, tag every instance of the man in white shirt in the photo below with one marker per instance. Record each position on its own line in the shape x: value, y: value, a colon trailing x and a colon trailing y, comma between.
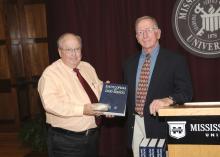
x: 70, y: 114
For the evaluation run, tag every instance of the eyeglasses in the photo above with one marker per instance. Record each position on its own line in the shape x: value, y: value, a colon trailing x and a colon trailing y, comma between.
x: 71, y: 50
x: 147, y: 30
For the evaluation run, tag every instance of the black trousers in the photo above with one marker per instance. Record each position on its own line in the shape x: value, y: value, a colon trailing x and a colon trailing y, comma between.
x: 64, y: 143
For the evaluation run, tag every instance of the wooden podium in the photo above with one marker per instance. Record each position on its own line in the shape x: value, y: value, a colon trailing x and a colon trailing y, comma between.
x: 197, y: 112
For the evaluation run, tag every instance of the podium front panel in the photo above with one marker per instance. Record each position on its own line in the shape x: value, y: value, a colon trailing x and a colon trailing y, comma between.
x: 193, y: 130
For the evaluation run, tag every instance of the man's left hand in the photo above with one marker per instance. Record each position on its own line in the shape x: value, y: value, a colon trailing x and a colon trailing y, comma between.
x: 159, y: 103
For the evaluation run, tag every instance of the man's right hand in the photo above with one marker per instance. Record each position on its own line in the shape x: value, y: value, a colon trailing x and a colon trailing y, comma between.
x: 89, y: 110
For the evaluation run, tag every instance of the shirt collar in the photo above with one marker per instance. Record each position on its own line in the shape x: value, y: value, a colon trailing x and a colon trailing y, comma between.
x: 153, y: 54
x: 68, y: 68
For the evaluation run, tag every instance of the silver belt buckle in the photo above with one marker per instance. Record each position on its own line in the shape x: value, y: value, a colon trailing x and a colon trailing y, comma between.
x: 87, y: 132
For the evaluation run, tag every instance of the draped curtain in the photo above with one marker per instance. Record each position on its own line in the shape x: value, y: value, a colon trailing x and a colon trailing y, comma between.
x: 108, y: 38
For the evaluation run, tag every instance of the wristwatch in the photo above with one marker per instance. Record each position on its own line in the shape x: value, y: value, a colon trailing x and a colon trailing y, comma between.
x: 174, y: 102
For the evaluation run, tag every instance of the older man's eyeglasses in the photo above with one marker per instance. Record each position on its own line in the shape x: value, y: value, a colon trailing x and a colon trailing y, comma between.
x: 147, y: 30
x: 71, y: 50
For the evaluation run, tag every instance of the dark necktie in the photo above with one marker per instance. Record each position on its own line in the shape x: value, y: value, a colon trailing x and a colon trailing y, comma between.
x: 142, y: 87
x: 86, y: 86
x: 89, y: 92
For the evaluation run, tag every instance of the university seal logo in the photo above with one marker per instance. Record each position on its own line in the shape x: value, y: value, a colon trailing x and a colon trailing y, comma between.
x: 177, y: 129
x: 196, y: 25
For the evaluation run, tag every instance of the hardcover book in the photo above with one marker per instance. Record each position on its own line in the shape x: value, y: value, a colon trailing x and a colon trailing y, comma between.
x: 161, y: 148
x: 143, y: 147
x: 152, y: 147
x: 115, y: 96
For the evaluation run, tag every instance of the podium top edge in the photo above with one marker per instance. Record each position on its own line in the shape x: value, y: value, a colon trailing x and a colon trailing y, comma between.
x: 191, y: 110
x: 202, y: 103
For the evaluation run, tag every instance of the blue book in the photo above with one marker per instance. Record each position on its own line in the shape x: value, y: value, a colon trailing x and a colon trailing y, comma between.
x: 151, y: 151
x: 115, y: 96
x: 152, y: 147
x: 143, y: 147
x: 161, y: 148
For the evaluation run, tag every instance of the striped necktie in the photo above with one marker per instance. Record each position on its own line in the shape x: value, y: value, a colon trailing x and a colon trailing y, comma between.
x: 142, y: 86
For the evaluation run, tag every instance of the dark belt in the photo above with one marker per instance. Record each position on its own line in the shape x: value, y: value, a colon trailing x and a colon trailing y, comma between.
x: 73, y: 133
x: 135, y: 113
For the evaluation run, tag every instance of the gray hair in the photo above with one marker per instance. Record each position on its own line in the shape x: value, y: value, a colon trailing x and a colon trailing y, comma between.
x: 146, y: 18
x: 63, y: 36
